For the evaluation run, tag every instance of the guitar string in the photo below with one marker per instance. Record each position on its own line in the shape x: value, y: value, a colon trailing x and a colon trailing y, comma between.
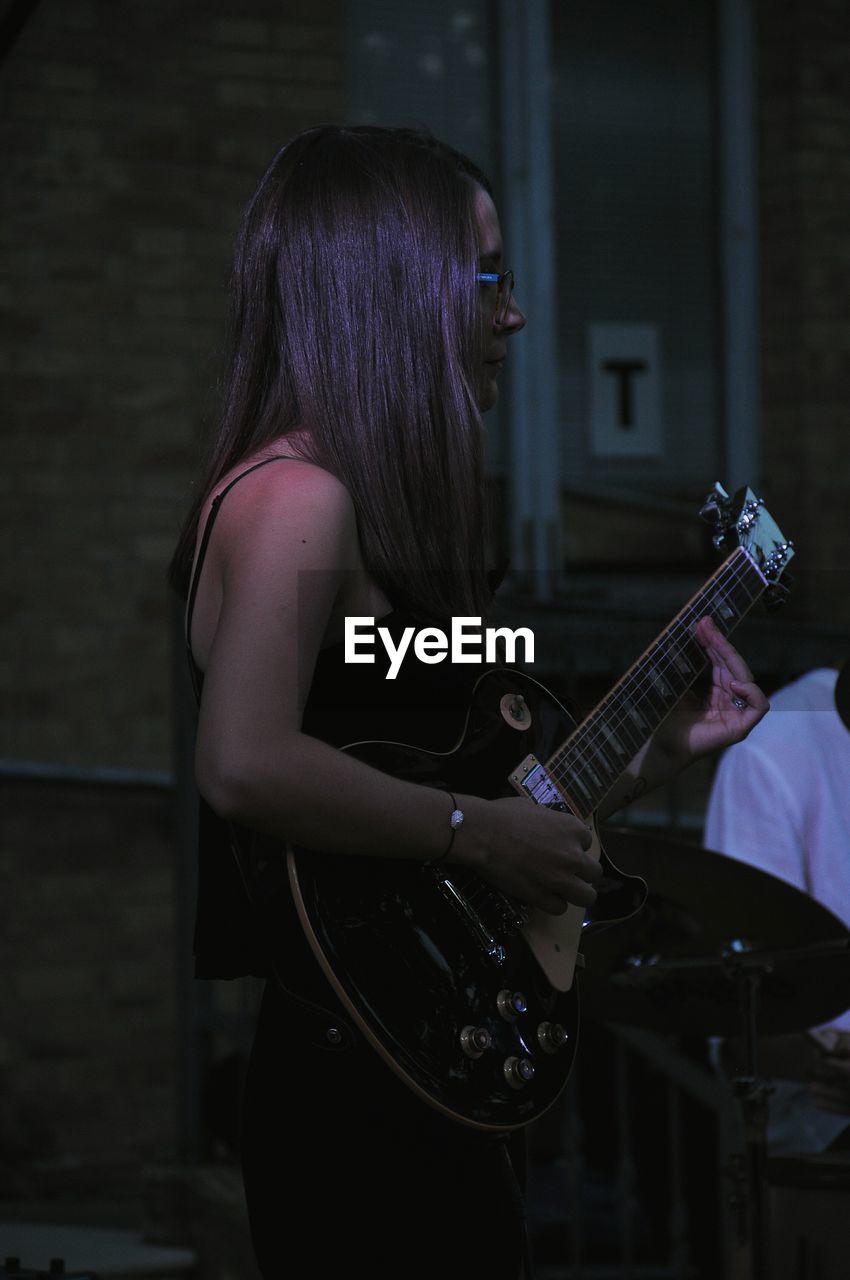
x: 572, y: 760
x: 678, y: 637
x: 676, y: 642
x: 634, y: 688
x: 614, y: 712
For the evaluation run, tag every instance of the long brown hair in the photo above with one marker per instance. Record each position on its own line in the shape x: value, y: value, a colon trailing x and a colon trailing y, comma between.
x: 354, y: 313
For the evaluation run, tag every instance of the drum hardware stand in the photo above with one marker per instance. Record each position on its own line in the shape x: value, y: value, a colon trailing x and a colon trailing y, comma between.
x: 705, y: 902
x: 749, y: 1171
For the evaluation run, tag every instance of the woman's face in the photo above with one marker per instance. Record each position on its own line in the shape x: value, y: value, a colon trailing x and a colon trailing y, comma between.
x: 495, y: 335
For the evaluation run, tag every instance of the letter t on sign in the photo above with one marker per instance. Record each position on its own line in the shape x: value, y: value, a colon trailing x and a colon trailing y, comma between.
x: 624, y: 385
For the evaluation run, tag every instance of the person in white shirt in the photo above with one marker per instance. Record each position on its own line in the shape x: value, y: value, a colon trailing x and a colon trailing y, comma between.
x: 780, y: 801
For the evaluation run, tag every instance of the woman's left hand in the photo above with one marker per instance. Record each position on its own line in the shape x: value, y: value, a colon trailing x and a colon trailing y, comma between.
x: 734, y: 704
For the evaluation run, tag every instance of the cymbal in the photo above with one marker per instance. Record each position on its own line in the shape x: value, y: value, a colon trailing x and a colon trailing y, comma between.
x: 678, y: 964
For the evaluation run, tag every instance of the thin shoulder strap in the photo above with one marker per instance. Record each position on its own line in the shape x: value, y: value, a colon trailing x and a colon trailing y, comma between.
x: 202, y: 551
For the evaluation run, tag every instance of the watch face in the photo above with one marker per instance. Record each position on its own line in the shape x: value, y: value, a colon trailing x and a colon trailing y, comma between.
x: 842, y: 693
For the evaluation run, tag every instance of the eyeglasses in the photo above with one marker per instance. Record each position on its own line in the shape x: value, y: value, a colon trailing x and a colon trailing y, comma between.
x: 504, y: 291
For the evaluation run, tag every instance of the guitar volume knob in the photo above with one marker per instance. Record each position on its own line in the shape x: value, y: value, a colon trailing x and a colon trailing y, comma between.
x: 518, y: 1071
x: 511, y: 1004
x: 552, y: 1036
x: 475, y: 1041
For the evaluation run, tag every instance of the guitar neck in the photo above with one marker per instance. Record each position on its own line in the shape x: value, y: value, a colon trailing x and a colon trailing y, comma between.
x: 596, y: 754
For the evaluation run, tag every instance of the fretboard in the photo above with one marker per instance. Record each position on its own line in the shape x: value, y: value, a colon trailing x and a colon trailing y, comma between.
x: 596, y: 754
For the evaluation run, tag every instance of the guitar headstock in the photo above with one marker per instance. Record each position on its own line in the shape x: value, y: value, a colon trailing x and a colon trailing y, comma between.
x: 743, y: 520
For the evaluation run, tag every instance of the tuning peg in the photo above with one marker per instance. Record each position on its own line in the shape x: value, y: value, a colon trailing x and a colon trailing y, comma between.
x: 716, y: 510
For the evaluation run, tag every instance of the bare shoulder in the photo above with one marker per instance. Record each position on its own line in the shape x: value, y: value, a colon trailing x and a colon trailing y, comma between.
x: 283, y: 543
x: 288, y: 503
x: 282, y: 484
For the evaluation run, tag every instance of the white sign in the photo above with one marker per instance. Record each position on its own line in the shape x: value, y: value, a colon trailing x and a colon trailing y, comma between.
x: 625, y: 400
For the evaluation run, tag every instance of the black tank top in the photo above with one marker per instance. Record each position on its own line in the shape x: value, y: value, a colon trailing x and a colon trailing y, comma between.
x: 425, y: 705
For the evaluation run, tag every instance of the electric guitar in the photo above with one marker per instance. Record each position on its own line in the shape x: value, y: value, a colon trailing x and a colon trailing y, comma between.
x: 469, y: 996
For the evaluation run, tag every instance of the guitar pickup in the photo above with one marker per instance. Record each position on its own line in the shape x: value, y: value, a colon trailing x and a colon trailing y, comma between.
x: 531, y: 779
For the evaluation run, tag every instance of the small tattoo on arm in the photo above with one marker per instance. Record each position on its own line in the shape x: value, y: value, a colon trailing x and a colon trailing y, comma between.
x: 637, y: 792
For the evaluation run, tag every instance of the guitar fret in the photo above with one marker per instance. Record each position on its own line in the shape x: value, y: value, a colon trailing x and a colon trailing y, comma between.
x: 607, y: 774
x: 587, y: 796
x: 662, y: 687
x: 601, y: 747
x: 595, y: 767
x: 606, y: 742
x: 628, y: 727
x: 679, y: 671
x: 594, y: 777
x: 653, y: 702
x: 592, y: 766
x: 683, y: 665
x: 729, y: 601
x: 692, y: 654
x: 587, y: 781
x: 611, y: 739
x: 724, y: 612
x: 633, y: 710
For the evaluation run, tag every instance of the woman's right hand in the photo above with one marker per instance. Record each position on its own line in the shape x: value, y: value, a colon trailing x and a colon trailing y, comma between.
x: 529, y: 852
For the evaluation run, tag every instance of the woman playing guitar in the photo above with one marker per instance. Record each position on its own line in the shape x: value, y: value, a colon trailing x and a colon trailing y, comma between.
x: 371, y: 317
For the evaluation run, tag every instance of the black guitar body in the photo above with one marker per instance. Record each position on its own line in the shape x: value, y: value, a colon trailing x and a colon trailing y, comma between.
x: 431, y: 962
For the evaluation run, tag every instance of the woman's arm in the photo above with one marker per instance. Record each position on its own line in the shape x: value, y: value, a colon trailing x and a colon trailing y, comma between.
x: 285, y: 552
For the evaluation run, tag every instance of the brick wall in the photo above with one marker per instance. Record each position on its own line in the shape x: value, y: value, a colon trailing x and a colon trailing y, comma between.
x: 804, y: 183
x: 132, y: 136
x: 88, y: 1035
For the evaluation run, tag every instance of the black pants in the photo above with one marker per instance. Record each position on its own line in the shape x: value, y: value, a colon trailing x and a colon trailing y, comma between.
x: 347, y: 1172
